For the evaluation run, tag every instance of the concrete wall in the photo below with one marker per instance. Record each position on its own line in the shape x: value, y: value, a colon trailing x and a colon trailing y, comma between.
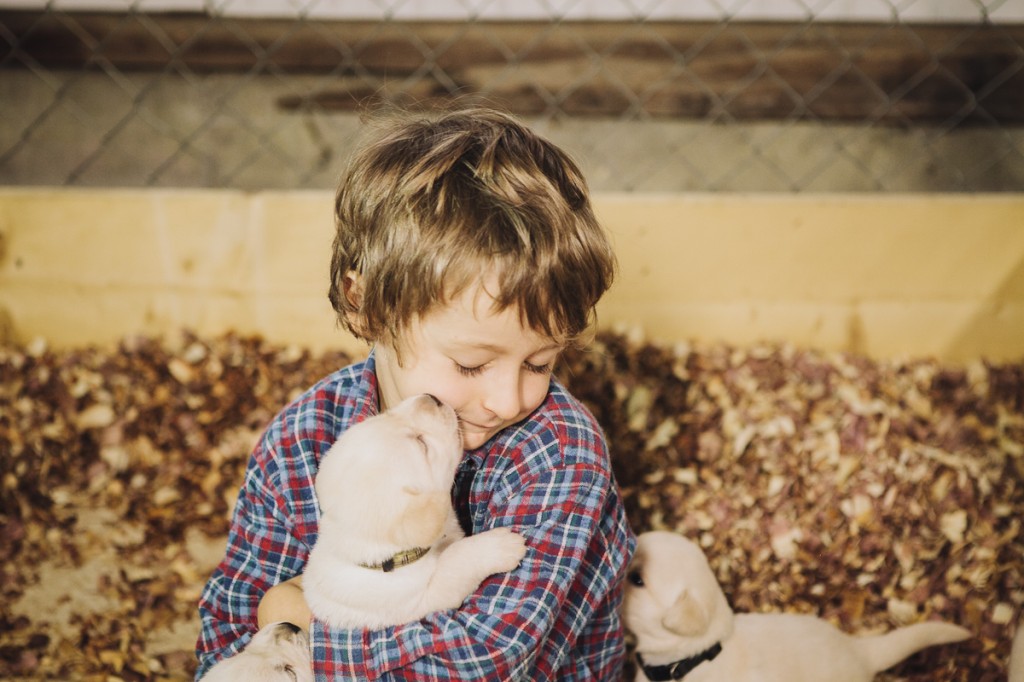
x: 886, y: 275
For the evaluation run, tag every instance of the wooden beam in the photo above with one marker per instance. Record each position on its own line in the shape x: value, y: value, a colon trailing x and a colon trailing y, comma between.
x: 878, y: 73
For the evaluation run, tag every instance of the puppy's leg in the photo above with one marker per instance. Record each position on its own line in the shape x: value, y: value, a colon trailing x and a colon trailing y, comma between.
x: 465, y: 563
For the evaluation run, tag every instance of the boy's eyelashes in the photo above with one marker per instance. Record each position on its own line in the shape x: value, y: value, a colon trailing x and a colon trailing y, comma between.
x: 477, y: 370
x: 538, y: 369
x: 469, y: 371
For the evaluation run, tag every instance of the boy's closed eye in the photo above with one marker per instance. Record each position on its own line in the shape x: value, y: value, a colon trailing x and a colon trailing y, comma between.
x: 478, y: 369
x: 469, y: 371
x: 538, y: 369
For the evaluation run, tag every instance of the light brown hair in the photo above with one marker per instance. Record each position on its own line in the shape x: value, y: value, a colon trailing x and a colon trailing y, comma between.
x: 432, y: 202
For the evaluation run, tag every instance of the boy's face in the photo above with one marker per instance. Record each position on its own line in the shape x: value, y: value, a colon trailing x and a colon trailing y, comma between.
x: 483, y: 363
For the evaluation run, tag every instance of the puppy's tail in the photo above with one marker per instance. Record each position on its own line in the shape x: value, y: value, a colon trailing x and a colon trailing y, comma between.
x: 881, y: 652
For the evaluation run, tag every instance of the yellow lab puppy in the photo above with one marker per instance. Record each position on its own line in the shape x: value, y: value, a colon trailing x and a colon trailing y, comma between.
x: 390, y: 549
x: 685, y: 628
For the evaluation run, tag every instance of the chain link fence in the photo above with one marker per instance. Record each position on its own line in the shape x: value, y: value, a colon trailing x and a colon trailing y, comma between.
x: 682, y: 95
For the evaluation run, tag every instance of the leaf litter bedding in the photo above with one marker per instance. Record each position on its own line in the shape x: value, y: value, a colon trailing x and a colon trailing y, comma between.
x: 869, y: 493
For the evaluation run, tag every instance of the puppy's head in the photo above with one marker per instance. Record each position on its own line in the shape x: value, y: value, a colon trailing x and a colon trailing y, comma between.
x: 673, y: 603
x: 388, y: 479
x: 279, y: 652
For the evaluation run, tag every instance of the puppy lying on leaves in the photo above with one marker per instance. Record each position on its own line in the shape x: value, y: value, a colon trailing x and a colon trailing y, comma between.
x: 389, y: 548
x: 685, y: 629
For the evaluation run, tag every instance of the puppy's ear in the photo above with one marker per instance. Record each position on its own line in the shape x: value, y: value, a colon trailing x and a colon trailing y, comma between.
x: 421, y: 522
x: 686, y: 617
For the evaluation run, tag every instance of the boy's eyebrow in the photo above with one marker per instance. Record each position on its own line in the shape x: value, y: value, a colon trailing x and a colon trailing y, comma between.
x: 496, y: 348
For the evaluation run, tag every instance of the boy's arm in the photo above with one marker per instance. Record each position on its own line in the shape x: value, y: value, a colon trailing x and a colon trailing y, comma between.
x: 261, y: 551
x: 285, y: 602
x: 521, y: 625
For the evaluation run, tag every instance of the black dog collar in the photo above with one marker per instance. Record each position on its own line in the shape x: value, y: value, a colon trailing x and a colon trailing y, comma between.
x: 405, y: 558
x: 679, y: 669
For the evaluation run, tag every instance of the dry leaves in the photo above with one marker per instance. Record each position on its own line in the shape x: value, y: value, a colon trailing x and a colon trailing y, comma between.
x: 870, y: 493
x: 119, y: 469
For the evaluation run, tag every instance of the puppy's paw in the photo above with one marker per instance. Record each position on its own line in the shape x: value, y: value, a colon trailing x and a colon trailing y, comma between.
x: 501, y: 548
x: 467, y: 562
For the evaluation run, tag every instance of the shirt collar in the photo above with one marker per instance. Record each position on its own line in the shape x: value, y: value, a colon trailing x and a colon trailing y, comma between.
x: 366, y: 402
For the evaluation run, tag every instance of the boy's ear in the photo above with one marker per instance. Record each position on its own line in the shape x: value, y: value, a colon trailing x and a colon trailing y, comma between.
x: 353, y: 287
x: 353, y: 284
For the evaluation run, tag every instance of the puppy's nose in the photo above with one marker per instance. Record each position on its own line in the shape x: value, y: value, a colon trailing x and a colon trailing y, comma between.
x: 435, y: 399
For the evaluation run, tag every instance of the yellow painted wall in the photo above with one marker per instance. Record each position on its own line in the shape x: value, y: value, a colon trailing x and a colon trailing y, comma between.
x: 887, y: 275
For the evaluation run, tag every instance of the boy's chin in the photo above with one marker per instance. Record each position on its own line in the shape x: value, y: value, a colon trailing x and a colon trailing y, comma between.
x: 473, y: 438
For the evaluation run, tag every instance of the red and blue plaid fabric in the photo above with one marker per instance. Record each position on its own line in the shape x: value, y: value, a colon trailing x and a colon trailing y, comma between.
x: 556, y: 617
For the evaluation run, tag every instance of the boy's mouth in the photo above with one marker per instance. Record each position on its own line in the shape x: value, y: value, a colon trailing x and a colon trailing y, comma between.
x: 474, y: 428
x: 479, y: 427
x: 470, y: 429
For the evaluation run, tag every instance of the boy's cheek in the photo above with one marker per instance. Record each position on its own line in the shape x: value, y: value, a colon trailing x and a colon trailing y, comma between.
x: 539, y: 391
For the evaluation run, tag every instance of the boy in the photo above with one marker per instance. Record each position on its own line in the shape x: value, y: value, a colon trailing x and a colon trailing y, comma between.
x: 468, y: 254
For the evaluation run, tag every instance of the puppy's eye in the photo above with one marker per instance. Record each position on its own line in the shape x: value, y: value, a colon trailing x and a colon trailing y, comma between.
x: 635, y: 578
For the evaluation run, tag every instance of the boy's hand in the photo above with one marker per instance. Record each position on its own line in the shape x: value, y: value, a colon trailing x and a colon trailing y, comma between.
x: 285, y: 602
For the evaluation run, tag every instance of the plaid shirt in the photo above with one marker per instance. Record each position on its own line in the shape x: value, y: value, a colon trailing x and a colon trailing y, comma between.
x: 548, y: 477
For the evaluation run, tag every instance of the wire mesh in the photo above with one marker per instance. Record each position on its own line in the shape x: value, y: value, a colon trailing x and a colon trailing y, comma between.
x: 706, y: 95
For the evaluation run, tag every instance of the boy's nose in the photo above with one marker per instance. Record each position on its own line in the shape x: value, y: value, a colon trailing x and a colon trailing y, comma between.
x: 505, y: 398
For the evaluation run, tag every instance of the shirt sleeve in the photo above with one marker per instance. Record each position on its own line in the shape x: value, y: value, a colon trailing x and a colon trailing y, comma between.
x: 262, y: 551
x: 516, y: 626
